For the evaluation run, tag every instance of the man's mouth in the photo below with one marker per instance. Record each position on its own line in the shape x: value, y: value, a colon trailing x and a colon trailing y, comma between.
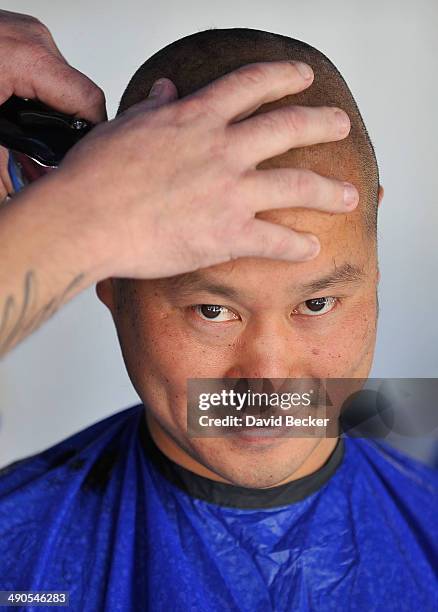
x: 257, y: 427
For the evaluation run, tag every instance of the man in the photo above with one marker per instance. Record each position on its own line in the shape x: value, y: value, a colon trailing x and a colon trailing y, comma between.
x: 134, y: 513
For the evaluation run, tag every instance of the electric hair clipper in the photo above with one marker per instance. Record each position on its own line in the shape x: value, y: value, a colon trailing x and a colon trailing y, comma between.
x: 37, y: 137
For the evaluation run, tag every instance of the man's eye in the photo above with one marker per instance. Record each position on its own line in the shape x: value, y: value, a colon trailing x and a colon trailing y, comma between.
x: 316, y: 306
x: 214, y: 312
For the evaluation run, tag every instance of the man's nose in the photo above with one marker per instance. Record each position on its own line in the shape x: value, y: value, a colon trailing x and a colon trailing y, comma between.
x: 268, y: 353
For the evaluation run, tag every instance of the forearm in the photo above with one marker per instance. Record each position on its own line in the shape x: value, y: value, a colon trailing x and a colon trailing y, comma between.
x: 48, y: 254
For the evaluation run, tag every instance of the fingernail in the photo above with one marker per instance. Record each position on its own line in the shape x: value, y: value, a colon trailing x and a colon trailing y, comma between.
x: 342, y: 119
x: 314, y: 247
x: 157, y: 87
x: 351, y: 197
x: 304, y: 69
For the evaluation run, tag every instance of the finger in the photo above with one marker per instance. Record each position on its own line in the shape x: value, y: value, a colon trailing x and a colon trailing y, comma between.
x: 239, y: 93
x: 5, y: 180
x: 277, y: 131
x: 289, y: 187
x: 274, y: 241
x: 162, y: 92
x: 62, y: 87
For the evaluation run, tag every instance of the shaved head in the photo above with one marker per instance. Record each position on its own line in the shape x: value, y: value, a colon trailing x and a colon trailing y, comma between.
x: 194, y: 61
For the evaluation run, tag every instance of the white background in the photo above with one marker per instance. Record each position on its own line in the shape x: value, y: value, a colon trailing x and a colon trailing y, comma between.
x: 70, y: 373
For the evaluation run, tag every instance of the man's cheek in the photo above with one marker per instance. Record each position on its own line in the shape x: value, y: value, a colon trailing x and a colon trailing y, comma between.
x: 176, y: 351
x: 341, y: 352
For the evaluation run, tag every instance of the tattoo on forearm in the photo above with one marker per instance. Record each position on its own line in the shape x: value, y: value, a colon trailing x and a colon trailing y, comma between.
x: 28, y: 318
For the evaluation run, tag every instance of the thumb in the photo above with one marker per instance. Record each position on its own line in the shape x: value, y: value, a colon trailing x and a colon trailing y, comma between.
x: 162, y: 91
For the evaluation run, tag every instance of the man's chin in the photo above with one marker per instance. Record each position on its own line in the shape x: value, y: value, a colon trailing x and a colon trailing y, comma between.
x: 249, y: 471
x: 251, y: 480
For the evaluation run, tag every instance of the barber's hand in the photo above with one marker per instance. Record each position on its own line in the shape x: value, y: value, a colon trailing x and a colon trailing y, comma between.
x: 172, y: 189
x: 31, y: 66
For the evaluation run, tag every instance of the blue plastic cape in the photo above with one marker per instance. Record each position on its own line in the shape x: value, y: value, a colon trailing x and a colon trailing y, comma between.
x: 93, y: 516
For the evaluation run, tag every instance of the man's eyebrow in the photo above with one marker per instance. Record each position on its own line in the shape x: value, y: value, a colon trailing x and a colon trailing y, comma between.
x: 191, y: 282
x: 345, y: 274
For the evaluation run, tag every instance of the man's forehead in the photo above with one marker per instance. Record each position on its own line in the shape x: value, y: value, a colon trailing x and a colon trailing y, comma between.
x: 344, y: 259
x: 223, y: 279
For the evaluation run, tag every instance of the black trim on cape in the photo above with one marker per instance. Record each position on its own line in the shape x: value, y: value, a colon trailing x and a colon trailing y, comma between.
x: 233, y: 496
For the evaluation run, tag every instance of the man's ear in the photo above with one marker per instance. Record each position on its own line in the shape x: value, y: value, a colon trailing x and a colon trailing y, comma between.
x: 105, y: 291
x: 380, y: 194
